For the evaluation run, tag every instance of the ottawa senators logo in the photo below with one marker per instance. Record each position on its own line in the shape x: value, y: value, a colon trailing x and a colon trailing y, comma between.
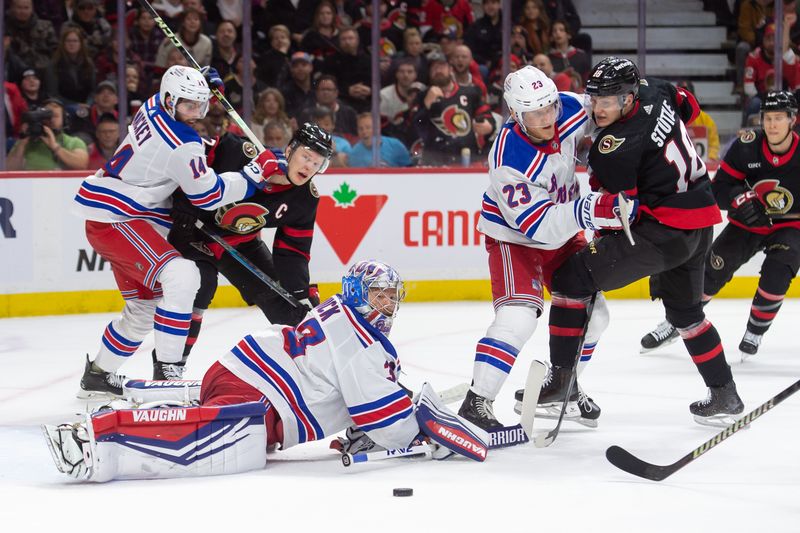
x: 748, y: 136
x: 454, y: 122
x: 313, y: 189
x: 249, y: 149
x: 241, y: 218
x: 609, y: 143
x: 777, y: 199
x: 717, y: 263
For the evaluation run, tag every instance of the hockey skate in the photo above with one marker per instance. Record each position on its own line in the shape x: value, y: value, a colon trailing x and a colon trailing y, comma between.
x: 69, y: 446
x: 580, y: 408
x: 664, y: 334
x: 749, y: 345
x: 167, y: 371
x: 100, y: 385
x: 479, y: 411
x: 719, y: 407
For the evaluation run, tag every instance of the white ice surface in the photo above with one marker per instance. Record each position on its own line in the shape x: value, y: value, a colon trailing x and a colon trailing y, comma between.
x: 749, y: 483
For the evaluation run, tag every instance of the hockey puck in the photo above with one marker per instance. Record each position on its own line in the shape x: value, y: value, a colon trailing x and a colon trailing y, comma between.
x: 401, y: 492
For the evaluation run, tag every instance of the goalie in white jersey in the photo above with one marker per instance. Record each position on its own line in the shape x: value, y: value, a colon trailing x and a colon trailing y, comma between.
x: 533, y: 218
x: 281, y: 387
x: 126, y: 205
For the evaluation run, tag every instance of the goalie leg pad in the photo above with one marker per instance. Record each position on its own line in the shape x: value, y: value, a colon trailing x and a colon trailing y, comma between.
x: 177, y: 441
x: 145, y: 391
x: 447, y: 429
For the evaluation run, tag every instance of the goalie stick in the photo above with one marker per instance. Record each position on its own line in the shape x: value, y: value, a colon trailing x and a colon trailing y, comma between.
x: 546, y: 439
x: 626, y: 461
x: 422, y: 449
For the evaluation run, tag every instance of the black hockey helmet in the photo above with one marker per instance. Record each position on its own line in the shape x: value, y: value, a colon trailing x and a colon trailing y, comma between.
x: 613, y: 76
x: 315, y: 138
x: 779, y: 101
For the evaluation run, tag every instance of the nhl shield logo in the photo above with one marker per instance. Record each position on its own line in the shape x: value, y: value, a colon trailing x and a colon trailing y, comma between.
x: 609, y: 143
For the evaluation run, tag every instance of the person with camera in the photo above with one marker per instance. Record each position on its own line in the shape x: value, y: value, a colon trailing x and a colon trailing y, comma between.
x: 43, y: 145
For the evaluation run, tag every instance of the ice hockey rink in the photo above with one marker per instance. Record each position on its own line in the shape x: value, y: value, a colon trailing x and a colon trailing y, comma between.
x: 751, y: 482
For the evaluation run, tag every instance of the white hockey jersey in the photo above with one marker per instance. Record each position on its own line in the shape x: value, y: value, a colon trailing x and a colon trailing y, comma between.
x: 332, y: 371
x: 158, y: 155
x: 531, y: 199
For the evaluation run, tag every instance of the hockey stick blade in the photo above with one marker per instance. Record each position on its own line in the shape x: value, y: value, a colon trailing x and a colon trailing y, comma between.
x: 533, y: 385
x: 626, y: 461
x: 624, y: 217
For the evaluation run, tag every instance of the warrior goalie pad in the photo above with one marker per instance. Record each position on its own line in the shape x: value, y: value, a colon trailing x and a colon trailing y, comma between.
x: 447, y: 429
x: 142, y: 391
x: 176, y: 442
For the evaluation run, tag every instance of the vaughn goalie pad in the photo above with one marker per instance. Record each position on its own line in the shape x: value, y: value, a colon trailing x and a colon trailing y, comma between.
x: 141, y: 391
x: 176, y: 442
x: 447, y: 429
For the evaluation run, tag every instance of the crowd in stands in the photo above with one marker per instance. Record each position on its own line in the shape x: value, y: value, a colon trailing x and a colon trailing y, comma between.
x: 440, y: 70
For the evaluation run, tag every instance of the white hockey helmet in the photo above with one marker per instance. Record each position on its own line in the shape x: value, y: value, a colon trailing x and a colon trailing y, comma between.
x: 372, y: 274
x: 184, y: 82
x: 531, y: 90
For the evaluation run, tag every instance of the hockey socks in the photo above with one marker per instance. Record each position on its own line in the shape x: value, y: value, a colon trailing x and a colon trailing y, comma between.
x: 568, y: 318
x: 705, y: 347
x: 194, y: 331
x: 763, y: 310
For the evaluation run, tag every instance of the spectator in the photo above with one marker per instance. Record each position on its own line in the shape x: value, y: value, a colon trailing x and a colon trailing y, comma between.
x: 326, y: 94
x: 565, y: 56
x: 565, y: 81
x: 132, y: 84
x: 32, y: 39
x: 106, y: 136
x: 31, y: 89
x: 271, y: 107
x: 496, y: 87
x: 320, y: 40
x: 451, y: 119
x: 274, y: 62
x: 230, y: 10
x: 752, y: 20
x: 565, y: 10
x: 484, y: 36
x: 535, y: 21
x: 325, y: 119
x: 413, y: 52
x: 16, y: 107
x: 352, y: 68
x: 96, y: 29
x: 398, y: 102
x: 14, y: 65
x: 170, y: 10
x: 704, y: 120
x: 84, y: 123
x: 224, y: 50
x: 234, y: 85
x: 297, y: 89
x: 145, y: 39
x: 465, y: 70
x: 294, y: 14
x: 194, y: 40
x: 106, y: 61
x: 52, y: 149
x: 276, y: 134
x: 71, y: 75
x: 519, y: 45
x: 392, y: 152
x: 55, y: 11
x: 759, y: 72
x: 448, y: 15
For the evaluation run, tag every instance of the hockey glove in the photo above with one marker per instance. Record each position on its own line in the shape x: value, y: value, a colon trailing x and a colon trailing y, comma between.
x: 354, y: 441
x: 748, y: 209
x: 601, y: 211
x: 263, y: 166
x: 213, y: 79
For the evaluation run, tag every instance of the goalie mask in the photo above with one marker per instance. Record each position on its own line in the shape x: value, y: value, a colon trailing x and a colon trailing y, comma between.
x: 187, y: 83
x: 375, y: 290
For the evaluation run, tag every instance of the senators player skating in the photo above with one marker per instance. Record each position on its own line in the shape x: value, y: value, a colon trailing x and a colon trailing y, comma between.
x: 755, y: 184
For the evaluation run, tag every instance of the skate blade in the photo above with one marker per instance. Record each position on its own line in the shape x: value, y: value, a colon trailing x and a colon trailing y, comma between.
x: 553, y: 415
x: 745, y: 356
x: 643, y: 350
x: 96, y: 396
x: 717, y: 421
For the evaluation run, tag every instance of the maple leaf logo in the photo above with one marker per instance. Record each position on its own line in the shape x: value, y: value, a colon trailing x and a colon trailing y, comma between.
x: 344, y: 195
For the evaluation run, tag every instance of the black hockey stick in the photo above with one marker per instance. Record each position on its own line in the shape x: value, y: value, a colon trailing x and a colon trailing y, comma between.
x: 193, y: 63
x: 257, y: 272
x: 624, y: 460
x: 545, y: 440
